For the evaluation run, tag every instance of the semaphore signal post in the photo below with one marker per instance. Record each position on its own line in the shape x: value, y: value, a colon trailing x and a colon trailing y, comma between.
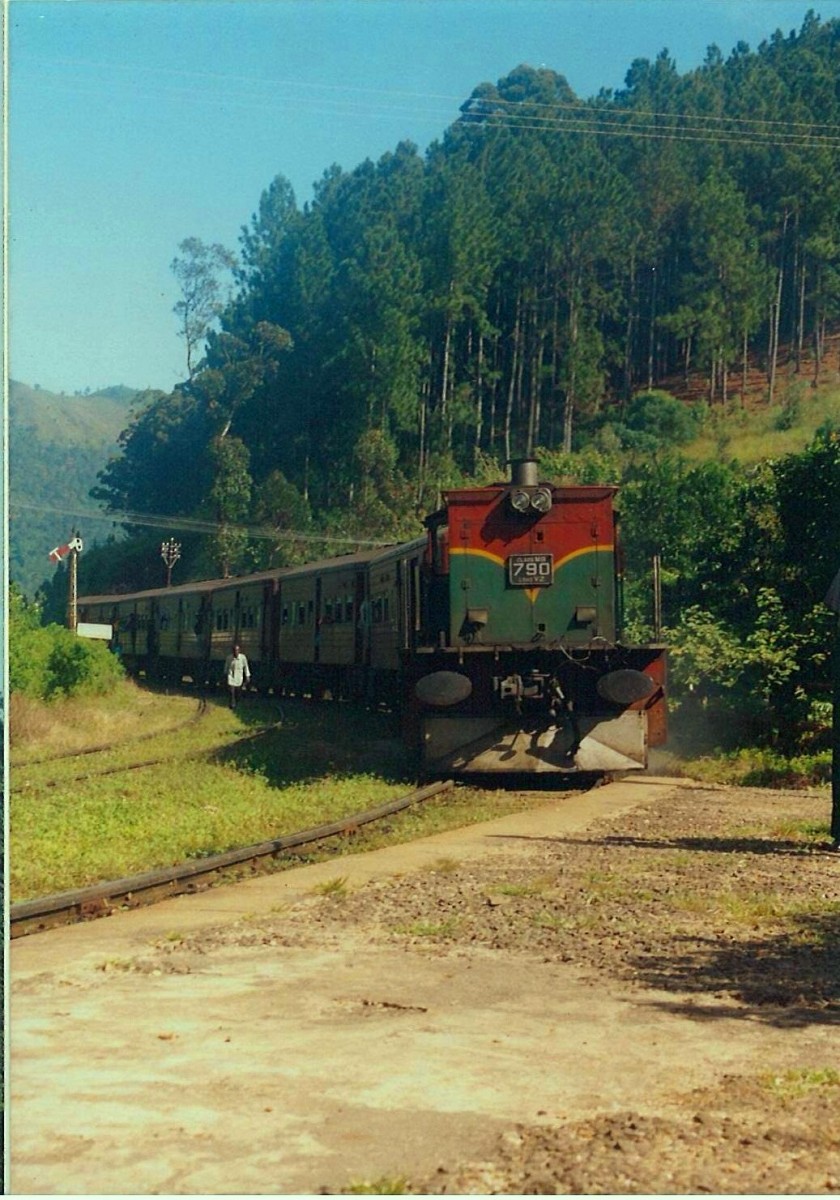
x: 70, y: 550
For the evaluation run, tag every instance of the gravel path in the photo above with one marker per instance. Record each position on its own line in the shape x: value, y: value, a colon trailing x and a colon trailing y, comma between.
x: 646, y: 1002
x: 722, y: 898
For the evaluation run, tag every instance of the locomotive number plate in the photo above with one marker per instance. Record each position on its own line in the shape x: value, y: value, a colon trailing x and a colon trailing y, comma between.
x: 530, y: 570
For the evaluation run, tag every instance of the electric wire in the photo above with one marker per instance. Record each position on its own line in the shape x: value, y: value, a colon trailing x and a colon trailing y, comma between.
x: 180, y: 524
x: 386, y: 93
x: 577, y: 117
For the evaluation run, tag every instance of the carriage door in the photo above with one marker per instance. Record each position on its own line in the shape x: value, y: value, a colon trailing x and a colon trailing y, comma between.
x: 237, y: 617
x: 266, y: 618
x: 317, y: 631
x: 361, y: 654
x: 407, y: 576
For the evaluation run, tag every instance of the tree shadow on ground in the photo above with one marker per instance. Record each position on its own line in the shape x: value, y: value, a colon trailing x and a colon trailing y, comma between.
x: 308, y: 741
x: 713, y: 845
x: 789, y: 980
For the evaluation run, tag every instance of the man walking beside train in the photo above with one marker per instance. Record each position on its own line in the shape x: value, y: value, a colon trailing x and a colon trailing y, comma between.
x: 237, y: 673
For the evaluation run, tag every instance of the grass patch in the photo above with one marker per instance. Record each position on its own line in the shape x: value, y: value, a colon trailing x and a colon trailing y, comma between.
x: 785, y: 829
x: 561, y: 922
x: 795, y: 1083
x: 386, y: 1185
x: 429, y: 929
x: 762, y: 431
x: 335, y: 887
x: 230, y: 779
x: 535, y: 887
x: 38, y: 729
x: 752, y: 767
x: 444, y: 866
x: 754, y: 908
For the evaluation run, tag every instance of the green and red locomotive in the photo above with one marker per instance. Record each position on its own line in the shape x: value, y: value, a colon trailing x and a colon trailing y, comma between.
x: 497, y: 635
x: 526, y: 670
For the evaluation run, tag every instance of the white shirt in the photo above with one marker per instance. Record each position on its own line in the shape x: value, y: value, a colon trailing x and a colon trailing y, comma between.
x: 237, y: 670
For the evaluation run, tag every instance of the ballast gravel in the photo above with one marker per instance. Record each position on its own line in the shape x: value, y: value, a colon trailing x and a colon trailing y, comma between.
x: 726, y: 899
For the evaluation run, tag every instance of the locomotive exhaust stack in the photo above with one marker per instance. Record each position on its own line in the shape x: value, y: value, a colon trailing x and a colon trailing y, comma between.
x: 524, y: 472
x: 527, y: 496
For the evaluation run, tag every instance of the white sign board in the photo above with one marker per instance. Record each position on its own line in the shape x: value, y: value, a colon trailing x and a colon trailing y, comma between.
x: 89, y: 630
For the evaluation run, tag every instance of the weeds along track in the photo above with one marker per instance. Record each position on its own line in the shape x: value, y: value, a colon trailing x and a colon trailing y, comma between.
x: 206, y: 751
x: 99, y: 900
x: 105, y: 747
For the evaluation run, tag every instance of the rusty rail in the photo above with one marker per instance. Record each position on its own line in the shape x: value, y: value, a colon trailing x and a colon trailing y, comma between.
x: 101, y: 899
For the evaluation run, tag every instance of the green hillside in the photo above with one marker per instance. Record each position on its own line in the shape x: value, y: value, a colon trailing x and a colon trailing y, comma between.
x: 750, y: 429
x: 92, y: 420
x: 57, y: 445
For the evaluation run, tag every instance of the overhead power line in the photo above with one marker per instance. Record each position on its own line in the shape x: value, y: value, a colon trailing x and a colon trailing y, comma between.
x: 193, y: 525
x: 515, y: 114
x: 608, y: 126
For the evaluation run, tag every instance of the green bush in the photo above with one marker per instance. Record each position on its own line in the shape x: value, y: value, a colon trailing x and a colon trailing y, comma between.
x: 49, y: 661
x: 655, y: 420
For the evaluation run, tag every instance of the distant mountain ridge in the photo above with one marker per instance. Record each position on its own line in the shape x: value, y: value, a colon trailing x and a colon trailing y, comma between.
x: 57, y: 445
x: 94, y: 419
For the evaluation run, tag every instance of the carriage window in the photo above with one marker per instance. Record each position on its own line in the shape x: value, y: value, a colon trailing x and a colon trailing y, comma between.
x: 328, y: 611
x: 284, y: 615
x: 377, y: 611
x: 301, y: 614
x: 348, y: 609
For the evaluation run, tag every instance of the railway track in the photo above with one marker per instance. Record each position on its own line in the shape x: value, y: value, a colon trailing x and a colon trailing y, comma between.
x: 102, y: 899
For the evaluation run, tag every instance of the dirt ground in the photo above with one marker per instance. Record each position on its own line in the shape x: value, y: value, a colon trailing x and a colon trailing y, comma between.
x: 634, y: 991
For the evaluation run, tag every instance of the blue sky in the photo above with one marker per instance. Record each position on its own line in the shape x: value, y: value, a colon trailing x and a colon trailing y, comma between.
x: 134, y: 124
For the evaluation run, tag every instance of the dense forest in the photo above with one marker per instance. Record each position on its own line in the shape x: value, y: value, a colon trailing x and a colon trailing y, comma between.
x: 544, y: 279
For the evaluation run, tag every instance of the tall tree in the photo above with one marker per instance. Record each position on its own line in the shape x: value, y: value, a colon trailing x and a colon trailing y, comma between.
x: 200, y: 271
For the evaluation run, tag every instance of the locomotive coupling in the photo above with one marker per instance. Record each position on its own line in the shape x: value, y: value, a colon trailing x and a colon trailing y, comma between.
x: 534, y: 687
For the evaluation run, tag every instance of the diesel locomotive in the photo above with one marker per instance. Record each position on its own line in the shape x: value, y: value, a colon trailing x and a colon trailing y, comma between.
x: 497, y: 635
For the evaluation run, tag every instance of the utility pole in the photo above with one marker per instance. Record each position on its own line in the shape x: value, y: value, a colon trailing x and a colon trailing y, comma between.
x: 170, y: 552
x: 73, y: 587
x: 832, y: 599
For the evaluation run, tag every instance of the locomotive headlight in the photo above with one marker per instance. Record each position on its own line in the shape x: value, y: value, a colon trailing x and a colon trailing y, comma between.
x: 541, y: 500
x: 520, y: 501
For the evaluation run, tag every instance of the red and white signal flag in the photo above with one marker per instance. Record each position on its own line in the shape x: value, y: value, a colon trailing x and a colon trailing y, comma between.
x: 62, y: 551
